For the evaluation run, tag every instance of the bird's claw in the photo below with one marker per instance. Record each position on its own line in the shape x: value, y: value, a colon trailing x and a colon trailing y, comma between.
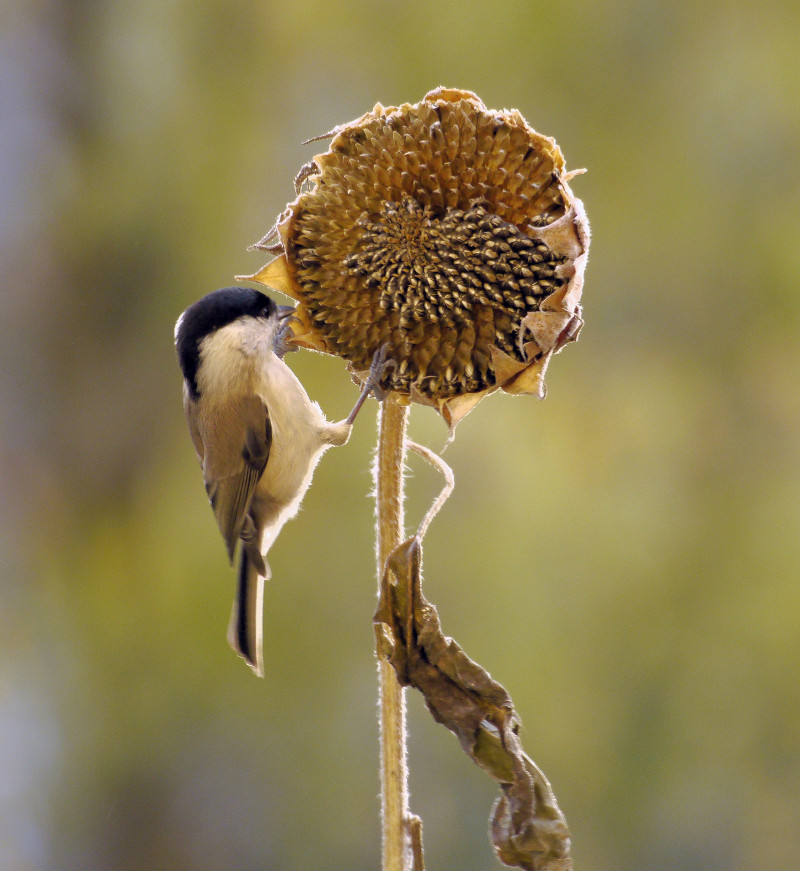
x: 378, y: 368
x: 283, y: 342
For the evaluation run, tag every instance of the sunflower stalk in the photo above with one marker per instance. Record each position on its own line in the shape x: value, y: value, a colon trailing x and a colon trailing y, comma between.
x: 389, y: 498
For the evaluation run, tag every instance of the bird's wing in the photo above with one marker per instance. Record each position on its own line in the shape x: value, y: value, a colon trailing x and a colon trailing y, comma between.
x: 233, y: 469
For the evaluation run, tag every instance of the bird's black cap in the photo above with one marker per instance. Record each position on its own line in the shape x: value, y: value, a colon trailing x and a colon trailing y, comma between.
x: 214, y: 311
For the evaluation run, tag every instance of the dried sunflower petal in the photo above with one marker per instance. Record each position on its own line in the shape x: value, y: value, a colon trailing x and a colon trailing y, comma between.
x: 446, y: 230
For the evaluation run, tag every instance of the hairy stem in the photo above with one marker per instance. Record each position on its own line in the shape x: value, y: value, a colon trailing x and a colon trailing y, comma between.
x: 392, y: 710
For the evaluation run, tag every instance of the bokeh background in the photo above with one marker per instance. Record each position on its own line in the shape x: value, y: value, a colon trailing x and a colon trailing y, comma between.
x: 623, y: 556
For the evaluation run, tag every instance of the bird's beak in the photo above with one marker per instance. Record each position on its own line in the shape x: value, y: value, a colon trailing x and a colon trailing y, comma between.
x: 285, y: 311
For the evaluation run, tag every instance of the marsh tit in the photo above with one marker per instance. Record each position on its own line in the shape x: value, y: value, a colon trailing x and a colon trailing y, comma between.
x: 257, y: 435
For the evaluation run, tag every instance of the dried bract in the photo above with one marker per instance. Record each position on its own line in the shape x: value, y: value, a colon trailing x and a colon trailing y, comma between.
x: 446, y: 230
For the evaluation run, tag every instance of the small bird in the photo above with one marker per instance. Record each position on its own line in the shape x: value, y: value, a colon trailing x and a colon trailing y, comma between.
x: 257, y: 434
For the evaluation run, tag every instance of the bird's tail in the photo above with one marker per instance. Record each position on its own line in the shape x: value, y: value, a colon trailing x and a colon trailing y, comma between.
x: 246, y: 626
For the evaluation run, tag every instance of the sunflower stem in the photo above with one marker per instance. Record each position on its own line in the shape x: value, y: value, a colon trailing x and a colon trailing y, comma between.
x: 389, y: 498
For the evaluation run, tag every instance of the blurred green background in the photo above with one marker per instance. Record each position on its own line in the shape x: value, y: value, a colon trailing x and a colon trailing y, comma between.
x: 622, y: 557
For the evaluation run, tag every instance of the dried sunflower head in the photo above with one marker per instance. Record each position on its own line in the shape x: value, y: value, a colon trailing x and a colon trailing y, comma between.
x: 446, y: 230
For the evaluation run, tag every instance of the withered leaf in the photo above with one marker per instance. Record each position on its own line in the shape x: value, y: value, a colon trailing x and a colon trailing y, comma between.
x: 527, y: 827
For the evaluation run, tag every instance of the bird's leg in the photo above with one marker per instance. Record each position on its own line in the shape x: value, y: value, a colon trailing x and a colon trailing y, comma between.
x: 372, y: 385
x: 338, y: 434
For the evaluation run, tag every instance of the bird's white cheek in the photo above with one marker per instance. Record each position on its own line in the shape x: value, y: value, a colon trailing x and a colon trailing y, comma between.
x: 224, y: 371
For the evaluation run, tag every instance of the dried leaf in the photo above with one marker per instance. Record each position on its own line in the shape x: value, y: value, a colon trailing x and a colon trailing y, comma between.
x: 528, y: 829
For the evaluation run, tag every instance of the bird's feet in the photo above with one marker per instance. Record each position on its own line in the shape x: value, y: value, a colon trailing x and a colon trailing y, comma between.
x: 372, y: 385
x: 284, y: 337
x: 379, y: 367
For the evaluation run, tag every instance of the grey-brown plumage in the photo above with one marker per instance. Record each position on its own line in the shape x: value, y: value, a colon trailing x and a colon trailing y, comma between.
x: 257, y: 435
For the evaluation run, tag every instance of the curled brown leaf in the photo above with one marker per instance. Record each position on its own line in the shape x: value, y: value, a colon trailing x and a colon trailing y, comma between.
x: 528, y: 828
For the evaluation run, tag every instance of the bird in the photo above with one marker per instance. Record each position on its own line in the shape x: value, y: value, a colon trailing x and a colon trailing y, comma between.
x: 257, y: 434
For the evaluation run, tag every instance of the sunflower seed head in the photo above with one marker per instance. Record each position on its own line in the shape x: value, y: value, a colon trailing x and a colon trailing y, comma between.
x: 438, y: 228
